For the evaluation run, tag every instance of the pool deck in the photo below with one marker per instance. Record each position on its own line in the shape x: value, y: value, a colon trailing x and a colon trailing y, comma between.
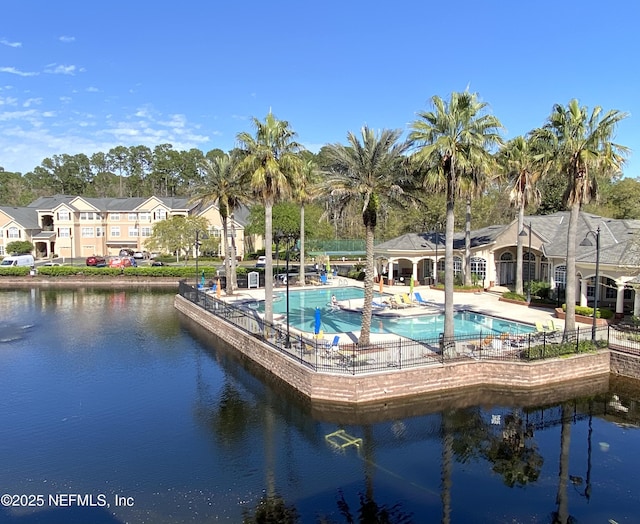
x: 487, y: 303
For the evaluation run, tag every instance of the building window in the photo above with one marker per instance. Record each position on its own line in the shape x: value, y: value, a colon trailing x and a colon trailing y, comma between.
x: 132, y: 217
x: 87, y: 232
x: 99, y: 231
x: 457, y: 266
x: 145, y: 217
x: 505, y: 257
x: 115, y: 231
x: 161, y: 214
x: 528, y: 267
x: 13, y: 232
x: 114, y: 216
x: 560, y: 276
x: 479, y: 267
x: 88, y: 215
x: 63, y: 214
x: 217, y: 233
x: 146, y: 231
x: 2, y: 251
x: 64, y: 232
x: 133, y: 231
x: 610, y: 288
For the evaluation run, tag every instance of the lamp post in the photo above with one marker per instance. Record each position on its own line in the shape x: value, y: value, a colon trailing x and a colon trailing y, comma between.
x: 596, y: 297
x: 523, y: 233
x: 199, y: 237
x: 289, y: 239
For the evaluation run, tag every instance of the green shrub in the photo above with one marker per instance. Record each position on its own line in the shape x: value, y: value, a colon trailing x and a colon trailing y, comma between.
x: 587, y: 311
x: 511, y: 295
x: 19, y: 271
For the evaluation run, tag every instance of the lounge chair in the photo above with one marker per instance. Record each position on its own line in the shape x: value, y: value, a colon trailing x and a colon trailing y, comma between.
x: 419, y: 300
x: 396, y: 303
x: 552, y: 327
x: 406, y: 299
x: 332, y: 349
x: 379, y: 305
x: 545, y: 331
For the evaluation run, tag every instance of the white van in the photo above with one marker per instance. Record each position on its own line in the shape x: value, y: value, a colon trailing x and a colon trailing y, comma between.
x: 17, y: 260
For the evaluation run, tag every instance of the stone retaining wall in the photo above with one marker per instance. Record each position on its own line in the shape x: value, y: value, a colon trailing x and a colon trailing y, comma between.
x: 625, y: 364
x: 377, y: 386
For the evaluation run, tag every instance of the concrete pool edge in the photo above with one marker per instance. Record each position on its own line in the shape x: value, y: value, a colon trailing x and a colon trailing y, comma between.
x: 393, y: 383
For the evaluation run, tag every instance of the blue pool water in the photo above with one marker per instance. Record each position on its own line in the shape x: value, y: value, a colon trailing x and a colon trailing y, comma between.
x: 302, y: 306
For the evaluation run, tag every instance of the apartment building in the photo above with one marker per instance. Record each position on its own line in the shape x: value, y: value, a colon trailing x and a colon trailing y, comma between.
x: 77, y: 227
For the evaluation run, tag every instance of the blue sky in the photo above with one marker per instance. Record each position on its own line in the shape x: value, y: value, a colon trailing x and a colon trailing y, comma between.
x: 82, y: 77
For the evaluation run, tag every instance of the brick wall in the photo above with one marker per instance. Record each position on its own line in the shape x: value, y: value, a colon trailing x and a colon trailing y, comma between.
x: 375, y: 387
x: 625, y: 364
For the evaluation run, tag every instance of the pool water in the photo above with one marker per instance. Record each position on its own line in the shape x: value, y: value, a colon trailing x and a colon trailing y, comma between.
x: 302, y: 306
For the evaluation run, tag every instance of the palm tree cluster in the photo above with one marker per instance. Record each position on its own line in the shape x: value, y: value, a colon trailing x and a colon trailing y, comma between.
x: 455, y: 149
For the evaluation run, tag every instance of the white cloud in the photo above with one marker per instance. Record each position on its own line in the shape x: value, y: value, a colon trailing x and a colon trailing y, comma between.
x: 92, y: 89
x: 4, y: 41
x: 67, y: 39
x: 31, y: 101
x: 30, y: 135
x: 60, y: 69
x: 8, y: 101
x: 15, y: 71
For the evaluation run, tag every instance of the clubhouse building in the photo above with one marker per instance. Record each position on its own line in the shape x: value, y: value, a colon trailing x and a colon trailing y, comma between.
x: 544, y: 240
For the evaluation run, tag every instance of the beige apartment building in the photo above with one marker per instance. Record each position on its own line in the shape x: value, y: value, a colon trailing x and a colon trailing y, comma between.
x: 78, y: 227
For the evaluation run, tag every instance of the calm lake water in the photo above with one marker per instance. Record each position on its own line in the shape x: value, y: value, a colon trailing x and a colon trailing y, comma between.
x: 113, y: 396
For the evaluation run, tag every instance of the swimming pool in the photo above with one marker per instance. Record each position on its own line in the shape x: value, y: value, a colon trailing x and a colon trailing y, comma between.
x: 302, y: 306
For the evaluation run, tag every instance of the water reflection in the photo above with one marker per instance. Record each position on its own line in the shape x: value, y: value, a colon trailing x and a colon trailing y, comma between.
x: 113, y: 391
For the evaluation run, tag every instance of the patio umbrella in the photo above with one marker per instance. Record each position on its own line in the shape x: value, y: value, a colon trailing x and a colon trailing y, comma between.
x: 202, y: 279
x: 411, y: 287
x: 318, y: 322
x: 218, y: 289
x: 381, y: 284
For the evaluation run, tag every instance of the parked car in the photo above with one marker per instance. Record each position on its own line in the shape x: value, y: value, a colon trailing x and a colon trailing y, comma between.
x: 124, y: 252
x: 158, y: 263
x: 139, y: 255
x: 96, y: 261
x: 261, y: 262
x: 122, y: 262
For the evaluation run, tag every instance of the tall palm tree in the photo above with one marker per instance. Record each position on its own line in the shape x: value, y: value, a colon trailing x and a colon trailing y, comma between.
x: 368, y: 170
x: 580, y: 146
x: 453, y: 137
x: 523, y: 167
x: 270, y: 164
x: 305, y: 193
x: 222, y: 186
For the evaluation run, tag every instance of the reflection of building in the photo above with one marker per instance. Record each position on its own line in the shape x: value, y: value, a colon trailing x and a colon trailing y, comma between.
x: 493, y: 257
x: 79, y: 226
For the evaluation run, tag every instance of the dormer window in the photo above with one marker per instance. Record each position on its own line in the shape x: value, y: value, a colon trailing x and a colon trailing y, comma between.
x: 64, y: 214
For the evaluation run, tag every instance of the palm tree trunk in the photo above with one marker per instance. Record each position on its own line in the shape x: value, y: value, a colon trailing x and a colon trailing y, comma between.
x: 448, y: 259
x: 301, y: 276
x: 268, y: 270
x: 467, y: 245
x: 519, y: 286
x: 232, y: 253
x: 367, y: 307
x: 227, y: 264
x: 570, y: 320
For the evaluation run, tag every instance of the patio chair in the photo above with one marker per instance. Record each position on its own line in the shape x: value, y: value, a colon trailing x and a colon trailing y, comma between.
x: 406, y: 299
x: 396, y: 303
x: 332, y: 350
x: 419, y: 300
x: 379, y: 305
x: 551, y: 326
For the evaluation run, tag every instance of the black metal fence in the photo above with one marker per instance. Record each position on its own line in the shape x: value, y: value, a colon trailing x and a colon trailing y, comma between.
x: 321, y: 354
